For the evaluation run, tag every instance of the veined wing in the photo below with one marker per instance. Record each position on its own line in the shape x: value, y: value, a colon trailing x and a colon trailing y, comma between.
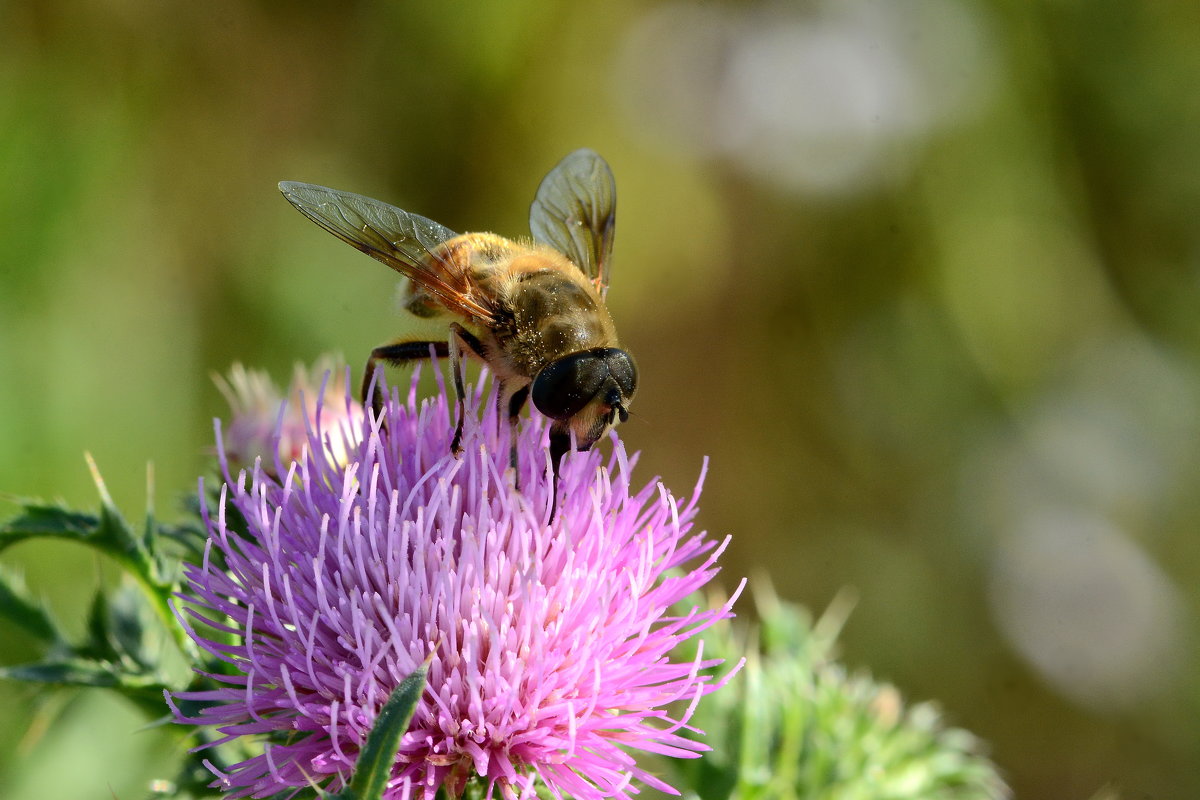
x: 574, y: 212
x: 408, y: 243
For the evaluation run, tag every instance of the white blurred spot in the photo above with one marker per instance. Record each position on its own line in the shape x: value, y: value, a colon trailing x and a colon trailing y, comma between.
x: 1086, y: 608
x: 824, y: 99
x: 1119, y: 431
x: 1071, y: 588
x: 1114, y: 434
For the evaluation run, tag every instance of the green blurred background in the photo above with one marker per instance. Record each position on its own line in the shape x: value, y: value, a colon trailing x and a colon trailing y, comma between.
x: 920, y: 276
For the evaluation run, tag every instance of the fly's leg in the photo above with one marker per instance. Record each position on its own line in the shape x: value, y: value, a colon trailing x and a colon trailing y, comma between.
x: 515, y: 404
x: 397, y: 353
x: 560, y: 443
x: 461, y: 341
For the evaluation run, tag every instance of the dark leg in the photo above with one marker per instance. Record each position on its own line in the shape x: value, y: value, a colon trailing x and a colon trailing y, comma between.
x: 461, y: 341
x: 397, y: 353
x: 515, y: 404
x: 560, y: 443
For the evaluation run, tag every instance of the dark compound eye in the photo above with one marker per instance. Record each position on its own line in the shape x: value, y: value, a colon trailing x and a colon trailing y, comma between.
x: 565, y: 386
x: 624, y: 372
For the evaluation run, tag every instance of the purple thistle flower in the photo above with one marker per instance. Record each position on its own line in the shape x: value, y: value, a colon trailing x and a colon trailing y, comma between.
x: 549, y: 640
x: 263, y: 426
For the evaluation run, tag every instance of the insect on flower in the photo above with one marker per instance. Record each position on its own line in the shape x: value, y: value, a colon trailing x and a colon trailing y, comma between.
x: 533, y: 311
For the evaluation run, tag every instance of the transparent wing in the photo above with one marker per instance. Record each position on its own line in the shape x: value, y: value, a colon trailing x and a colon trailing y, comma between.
x: 408, y: 243
x: 574, y: 212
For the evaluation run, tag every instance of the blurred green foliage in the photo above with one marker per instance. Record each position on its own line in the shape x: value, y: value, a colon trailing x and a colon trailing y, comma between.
x: 796, y: 726
x: 920, y: 277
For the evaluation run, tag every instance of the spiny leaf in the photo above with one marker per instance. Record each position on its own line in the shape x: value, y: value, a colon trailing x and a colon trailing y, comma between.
x: 48, y: 521
x: 99, y: 645
x: 131, y: 549
x: 128, y: 617
x: 19, y: 608
x: 77, y: 671
x: 109, y: 533
x: 117, y: 627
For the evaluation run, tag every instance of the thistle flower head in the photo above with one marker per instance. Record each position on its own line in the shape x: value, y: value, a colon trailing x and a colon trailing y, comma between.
x: 264, y: 426
x: 550, y: 641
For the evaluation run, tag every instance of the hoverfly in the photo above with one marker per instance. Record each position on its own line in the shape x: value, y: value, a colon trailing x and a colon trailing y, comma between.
x: 532, y: 311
